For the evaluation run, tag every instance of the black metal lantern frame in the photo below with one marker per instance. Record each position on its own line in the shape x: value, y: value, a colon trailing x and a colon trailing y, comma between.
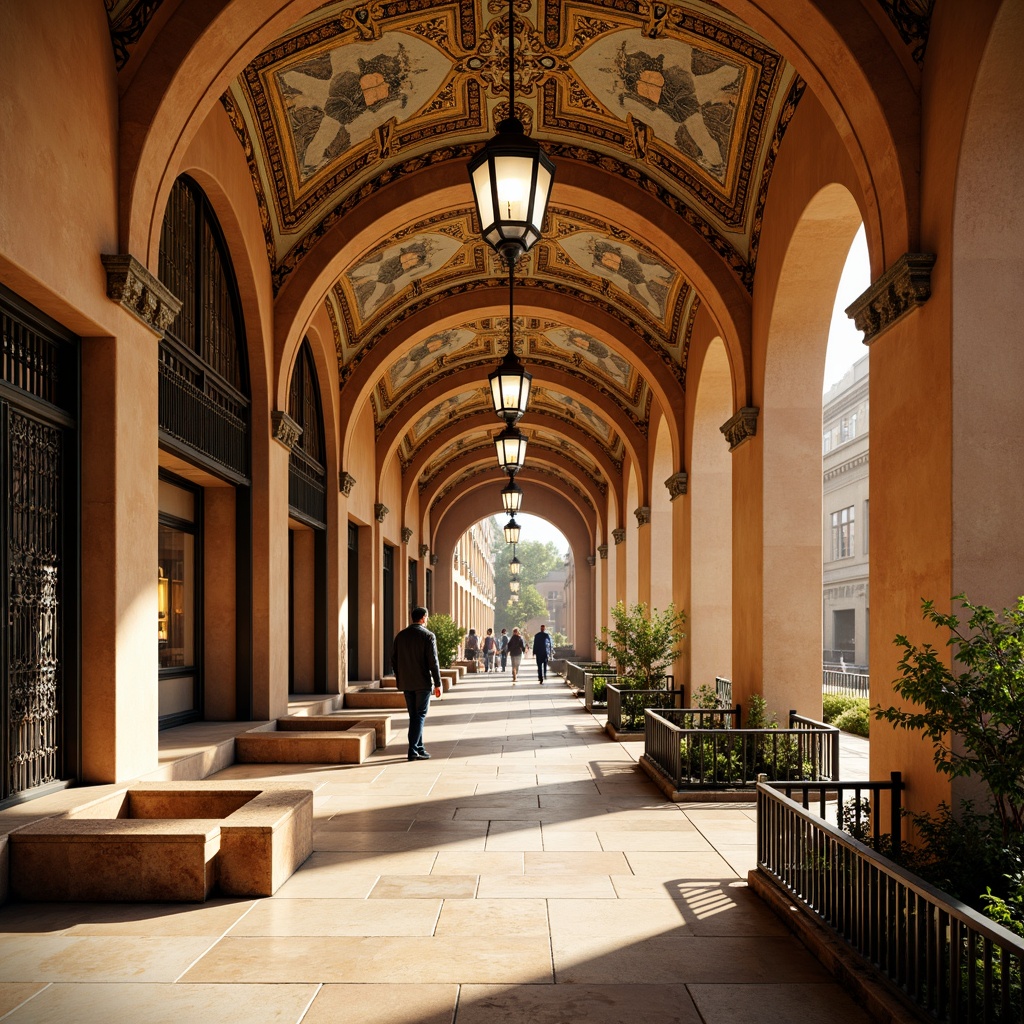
x: 511, y: 497
x: 511, y: 531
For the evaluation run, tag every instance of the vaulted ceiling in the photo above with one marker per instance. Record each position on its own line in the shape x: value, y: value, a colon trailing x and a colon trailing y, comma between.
x: 685, y: 105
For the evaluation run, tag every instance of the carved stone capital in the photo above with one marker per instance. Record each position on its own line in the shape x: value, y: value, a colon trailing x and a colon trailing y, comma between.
x: 602, y: 550
x: 406, y: 534
x: 741, y: 427
x: 591, y: 560
x: 424, y: 551
x: 643, y: 515
x: 906, y: 285
x: 677, y: 484
x: 433, y: 559
x: 134, y: 288
x: 285, y: 430
x: 380, y: 512
x: 346, y: 481
x: 619, y: 534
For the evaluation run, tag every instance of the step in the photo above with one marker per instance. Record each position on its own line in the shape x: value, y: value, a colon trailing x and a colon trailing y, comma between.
x: 341, y: 721
x: 348, y: 746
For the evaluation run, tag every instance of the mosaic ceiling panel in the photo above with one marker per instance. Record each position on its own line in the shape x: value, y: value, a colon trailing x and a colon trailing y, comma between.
x: 355, y: 95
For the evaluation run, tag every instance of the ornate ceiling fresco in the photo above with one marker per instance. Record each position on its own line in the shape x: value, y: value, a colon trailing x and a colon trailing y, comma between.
x: 356, y: 95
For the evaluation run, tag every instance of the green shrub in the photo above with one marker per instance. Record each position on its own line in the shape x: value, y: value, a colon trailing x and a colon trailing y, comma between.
x: 448, y: 636
x: 834, y: 704
x: 643, y: 642
x: 856, y: 719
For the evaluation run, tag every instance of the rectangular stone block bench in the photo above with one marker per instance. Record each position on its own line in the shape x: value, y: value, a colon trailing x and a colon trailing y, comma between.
x: 350, y: 745
x: 375, y: 698
x: 165, y: 842
x: 450, y: 676
x: 341, y: 721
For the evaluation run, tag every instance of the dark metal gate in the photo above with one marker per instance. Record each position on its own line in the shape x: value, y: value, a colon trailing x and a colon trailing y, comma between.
x: 38, y: 555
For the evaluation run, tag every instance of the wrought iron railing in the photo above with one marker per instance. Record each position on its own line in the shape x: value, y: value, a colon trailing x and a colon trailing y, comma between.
x: 852, y: 684
x: 714, y: 758
x: 723, y: 688
x: 952, y: 962
x: 202, y: 412
x: 307, y: 488
x: 626, y: 706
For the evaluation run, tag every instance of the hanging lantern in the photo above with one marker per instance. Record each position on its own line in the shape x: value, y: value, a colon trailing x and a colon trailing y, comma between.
x: 511, y: 497
x: 511, y: 531
x: 510, y: 445
x: 513, y: 586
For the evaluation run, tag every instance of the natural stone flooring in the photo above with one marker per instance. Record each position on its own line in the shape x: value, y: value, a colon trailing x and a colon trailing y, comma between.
x: 529, y: 873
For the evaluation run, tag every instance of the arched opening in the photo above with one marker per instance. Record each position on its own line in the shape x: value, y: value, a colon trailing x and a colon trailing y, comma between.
x: 205, y: 519
x: 710, y: 490
x: 307, y: 532
x: 662, y: 565
x: 632, y: 541
x: 791, y: 426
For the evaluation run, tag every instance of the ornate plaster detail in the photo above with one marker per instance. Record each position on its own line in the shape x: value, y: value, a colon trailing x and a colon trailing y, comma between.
x: 643, y: 515
x: 406, y: 534
x: 346, y: 481
x: 284, y: 429
x: 741, y: 427
x: 424, y: 550
x: 906, y: 285
x: 127, y: 23
x: 380, y: 512
x: 134, y: 288
x: 677, y: 484
x: 433, y: 559
x: 602, y: 550
x: 912, y: 19
x: 619, y: 534
x: 591, y: 560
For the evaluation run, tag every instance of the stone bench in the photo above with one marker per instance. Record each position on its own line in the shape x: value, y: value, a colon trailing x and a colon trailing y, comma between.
x: 165, y: 842
x: 340, y: 720
x: 349, y: 744
x: 375, y: 698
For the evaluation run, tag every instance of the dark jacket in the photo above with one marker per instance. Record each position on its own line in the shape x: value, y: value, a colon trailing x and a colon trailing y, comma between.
x: 516, y: 645
x: 542, y: 645
x: 414, y: 659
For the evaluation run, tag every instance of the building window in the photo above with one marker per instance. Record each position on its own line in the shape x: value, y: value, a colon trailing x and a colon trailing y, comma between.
x: 826, y: 442
x: 842, y: 533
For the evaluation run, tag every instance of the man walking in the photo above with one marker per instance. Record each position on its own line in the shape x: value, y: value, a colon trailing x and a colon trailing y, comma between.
x: 542, y: 648
x: 417, y: 671
x: 503, y: 648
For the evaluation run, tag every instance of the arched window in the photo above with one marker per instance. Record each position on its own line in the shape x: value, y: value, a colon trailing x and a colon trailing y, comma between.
x: 307, y: 473
x: 204, y: 387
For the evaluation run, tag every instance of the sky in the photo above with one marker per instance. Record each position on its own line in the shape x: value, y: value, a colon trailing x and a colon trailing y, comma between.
x: 845, y: 342
x: 845, y: 347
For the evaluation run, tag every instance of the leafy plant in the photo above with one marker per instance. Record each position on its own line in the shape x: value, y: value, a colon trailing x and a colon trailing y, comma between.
x: 834, y: 704
x: 643, y: 643
x: 855, y: 719
x: 982, y: 706
x: 448, y: 635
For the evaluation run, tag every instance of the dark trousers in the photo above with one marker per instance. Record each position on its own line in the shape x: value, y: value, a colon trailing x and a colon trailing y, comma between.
x: 542, y: 667
x: 504, y: 658
x: 417, y: 701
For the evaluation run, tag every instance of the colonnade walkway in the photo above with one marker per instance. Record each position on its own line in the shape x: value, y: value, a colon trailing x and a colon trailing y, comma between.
x: 529, y: 872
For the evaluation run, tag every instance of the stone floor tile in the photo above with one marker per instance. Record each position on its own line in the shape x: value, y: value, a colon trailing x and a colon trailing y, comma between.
x: 627, y: 921
x: 103, y: 1003
x: 374, y: 1004
x: 807, y: 1004
x: 559, y: 1004
x: 514, y: 836
x: 491, y: 862
x: 504, y: 960
x: 486, y: 917
x: 675, y: 841
x: 679, y: 865
x: 340, y: 917
x: 393, y: 842
x: 681, y: 958
x: 408, y: 887
x: 555, y: 863
x: 569, y: 886
x: 13, y: 994
x: 557, y: 841
x: 28, y: 958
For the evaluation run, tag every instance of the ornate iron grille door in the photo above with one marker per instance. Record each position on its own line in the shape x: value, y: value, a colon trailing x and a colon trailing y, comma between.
x: 38, y: 552
x: 35, y: 453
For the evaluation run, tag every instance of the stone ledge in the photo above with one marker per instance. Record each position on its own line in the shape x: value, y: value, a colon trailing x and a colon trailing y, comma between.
x: 375, y: 699
x: 340, y: 720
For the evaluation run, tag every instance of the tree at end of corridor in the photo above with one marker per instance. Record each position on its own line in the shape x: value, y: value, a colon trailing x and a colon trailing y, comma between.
x: 448, y: 635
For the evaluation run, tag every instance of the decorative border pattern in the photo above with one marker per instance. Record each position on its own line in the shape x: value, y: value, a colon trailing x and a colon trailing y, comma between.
x: 128, y: 25
x: 912, y: 19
